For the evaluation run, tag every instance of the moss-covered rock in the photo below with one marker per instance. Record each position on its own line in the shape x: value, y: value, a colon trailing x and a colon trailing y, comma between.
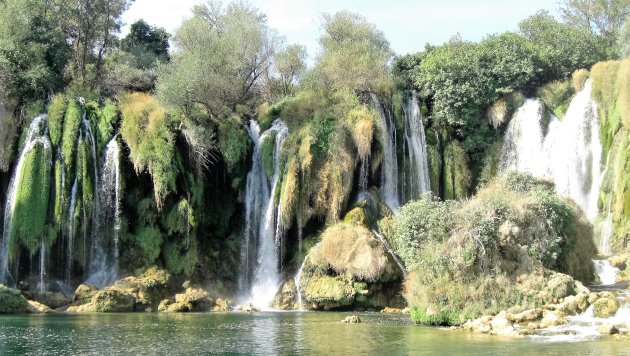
x: 606, y: 307
x: 12, y: 301
x: 112, y: 301
x: 83, y: 294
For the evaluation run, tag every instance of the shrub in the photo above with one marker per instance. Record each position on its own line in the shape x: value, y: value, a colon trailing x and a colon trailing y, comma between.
x: 466, y: 258
x: 556, y: 96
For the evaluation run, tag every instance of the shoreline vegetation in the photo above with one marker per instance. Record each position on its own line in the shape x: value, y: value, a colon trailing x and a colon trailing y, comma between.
x: 475, y: 185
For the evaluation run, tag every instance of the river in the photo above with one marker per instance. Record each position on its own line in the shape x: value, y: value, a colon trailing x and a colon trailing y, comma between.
x: 267, y: 333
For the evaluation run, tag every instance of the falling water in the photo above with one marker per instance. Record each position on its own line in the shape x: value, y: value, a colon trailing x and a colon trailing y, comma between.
x: 389, y: 250
x: 417, y: 180
x: 570, y: 151
x: 389, y: 171
x: 103, y: 269
x: 298, y: 279
x: 42, y: 265
x: 607, y: 272
x: 262, y: 227
x: 37, y: 134
x: 71, y: 229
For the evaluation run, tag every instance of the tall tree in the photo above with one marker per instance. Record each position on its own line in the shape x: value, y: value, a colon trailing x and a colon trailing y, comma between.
x: 624, y: 38
x: 91, y: 27
x: 355, y: 54
x: 147, y: 44
x: 223, y: 54
x: 290, y: 64
x: 604, y: 17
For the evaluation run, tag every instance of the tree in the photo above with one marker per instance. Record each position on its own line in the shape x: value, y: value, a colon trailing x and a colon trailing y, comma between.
x: 290, y: 64
x: 91, y: 27
x: 32, y: 53
x: 133, y: 66
x: 147, y: 44
x: 604, y: 17
x: 223, y: 54
x: 562, y: 48
x: 355, y: 54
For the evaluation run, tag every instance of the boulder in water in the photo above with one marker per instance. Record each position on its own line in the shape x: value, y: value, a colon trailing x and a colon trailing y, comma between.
x: 606, y: 329
x: 112, y: 301
x: 222, y: 305
x: 352, y: 319
x: 12, y: 301
x: 606, y: 307
x: 83, y: 294
x: 192, y: 300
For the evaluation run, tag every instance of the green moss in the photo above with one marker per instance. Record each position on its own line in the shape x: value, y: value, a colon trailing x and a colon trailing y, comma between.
x: 325, y: 289
x: 71, y: 125
x: 268, y: 153
x: 11, y: 301
x: 180, y: 260
x: 56, y: 113
x: 107, y: 121
x: 556, y: 96
x: 435, y: 168
x: 234, y: 143
x: 149, y: 239
x: 179, y: 219
x: 31, y: 204
x: 456, y: 177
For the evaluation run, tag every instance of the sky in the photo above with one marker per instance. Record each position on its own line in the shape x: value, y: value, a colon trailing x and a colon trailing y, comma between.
x: 407, y: 24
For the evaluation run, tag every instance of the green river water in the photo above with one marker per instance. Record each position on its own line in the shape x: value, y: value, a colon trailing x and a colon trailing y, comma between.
x: 267, y: 333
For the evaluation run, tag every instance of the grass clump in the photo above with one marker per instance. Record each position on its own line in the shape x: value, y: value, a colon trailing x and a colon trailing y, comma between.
x: 147, y: 132
x: 556, y: 96
x: 56, y: 113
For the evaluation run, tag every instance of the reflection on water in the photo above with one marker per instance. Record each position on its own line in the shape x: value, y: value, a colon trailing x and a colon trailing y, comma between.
x: 263, y: 334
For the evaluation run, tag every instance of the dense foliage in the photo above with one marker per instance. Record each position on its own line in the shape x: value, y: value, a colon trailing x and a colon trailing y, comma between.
x: 460, y: 253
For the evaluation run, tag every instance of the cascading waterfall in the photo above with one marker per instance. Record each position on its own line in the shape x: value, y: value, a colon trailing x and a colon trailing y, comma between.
x: 416, y: 172
x: 37, y: 135
x: 71, y: 229
x: 297, y: 280
x: 103, y: 266
x: 259, y: 283
x: 390, y: 251
x: 570, y: 151
x: 389, y: 171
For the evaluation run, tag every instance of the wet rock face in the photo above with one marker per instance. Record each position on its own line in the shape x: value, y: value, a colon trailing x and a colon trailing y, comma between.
x: 606, y: 307
x: 50, y: 299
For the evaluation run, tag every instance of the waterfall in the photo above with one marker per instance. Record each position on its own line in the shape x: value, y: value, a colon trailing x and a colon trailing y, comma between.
x: 607, y: 273
x: 42, y: 265
x: 71, y: 229
x: 262, y: 221
x: 298, y: 279
x: 568, y: 150
x: 37, y: 134
x: 390, y: 251
x: 103, y: 266
x: 389, y: 170
x: 416, y: 174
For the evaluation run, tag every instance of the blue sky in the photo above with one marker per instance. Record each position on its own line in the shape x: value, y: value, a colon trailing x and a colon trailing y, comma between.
x: 407, y: 24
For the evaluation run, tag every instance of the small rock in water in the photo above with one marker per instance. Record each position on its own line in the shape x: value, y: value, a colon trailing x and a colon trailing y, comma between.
x: 389, y: 310
x: 608, y: 329
x: 353, y: 319
x: 250, y: 308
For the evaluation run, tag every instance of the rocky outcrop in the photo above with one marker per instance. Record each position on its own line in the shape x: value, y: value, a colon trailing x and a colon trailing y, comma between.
x: 192, y: 300
x: 53, y: 300
x: 142, y: 293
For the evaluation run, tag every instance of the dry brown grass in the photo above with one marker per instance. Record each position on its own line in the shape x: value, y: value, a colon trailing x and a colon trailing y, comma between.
x: 349, y: 248
x: 579, y: 78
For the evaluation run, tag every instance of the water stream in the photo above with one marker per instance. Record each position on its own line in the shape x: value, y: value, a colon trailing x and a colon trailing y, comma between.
x: 260, y: 278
